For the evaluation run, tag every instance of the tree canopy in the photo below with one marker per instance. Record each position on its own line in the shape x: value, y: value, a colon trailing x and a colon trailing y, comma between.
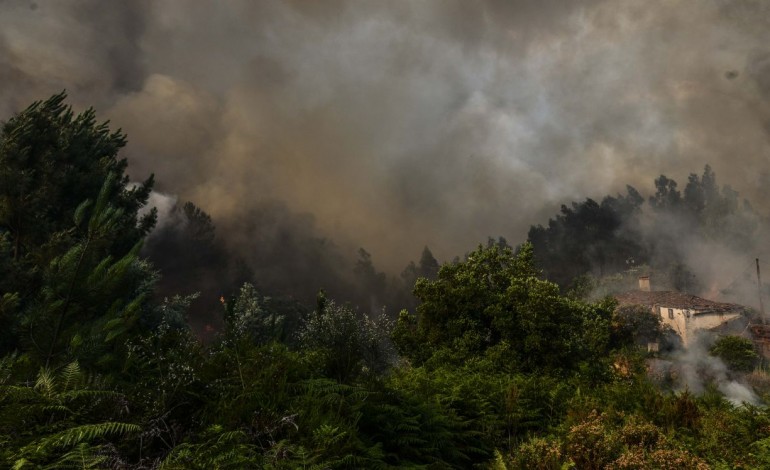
x: 69, y: 223
x: 620, y: 233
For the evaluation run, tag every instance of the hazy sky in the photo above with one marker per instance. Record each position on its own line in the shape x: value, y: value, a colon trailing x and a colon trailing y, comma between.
x: 400, y: 124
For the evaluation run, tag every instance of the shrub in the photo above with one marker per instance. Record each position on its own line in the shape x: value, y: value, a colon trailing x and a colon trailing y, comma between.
x: 738, y: 353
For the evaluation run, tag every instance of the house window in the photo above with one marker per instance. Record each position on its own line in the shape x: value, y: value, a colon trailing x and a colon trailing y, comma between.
x: 671, y: 313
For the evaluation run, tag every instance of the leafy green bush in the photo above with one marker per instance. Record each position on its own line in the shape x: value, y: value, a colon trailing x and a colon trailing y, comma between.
x: 348, y: 345
x: 738, y: 353
x: 635, y: 325
x: 495, y: 299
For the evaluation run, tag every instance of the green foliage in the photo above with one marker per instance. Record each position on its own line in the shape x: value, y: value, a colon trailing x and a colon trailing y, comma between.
x: 488, y: 409
x: 70, y: 231
x: 88, y: 300
x: 760, y: 453
x: 635, y: 325
x: 216, y: 448
x: 332, y: 411
x: 498, y: 369
x: 540, y: 454
x: 250, y: 318
x: 252, y: 388
x: 49, y: 154
x: 589, y: 237
x: 163, y: 368
x: 726, y: 433
x: 738, y: 353
x: 407, y: 338
x: 618, y: 234
x: 347, y: 345
x: 50, y: 162
x: 494, y: 300
x: 63, y: 418
x: 413, y: 430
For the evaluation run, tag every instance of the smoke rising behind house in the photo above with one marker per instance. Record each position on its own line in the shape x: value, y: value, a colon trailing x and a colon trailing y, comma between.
x: 393, y: 125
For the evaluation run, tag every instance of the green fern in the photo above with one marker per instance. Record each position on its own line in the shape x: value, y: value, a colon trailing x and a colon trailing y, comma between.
x: 79, y: 434
x: 83, y: 456
x: 58, y: 422
x: 17, y: 394
x: 218, y: 449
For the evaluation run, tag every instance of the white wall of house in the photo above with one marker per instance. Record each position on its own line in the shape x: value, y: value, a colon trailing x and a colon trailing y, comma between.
x: 677, y: 319
x: 685, y: 322
x: 714, y: 319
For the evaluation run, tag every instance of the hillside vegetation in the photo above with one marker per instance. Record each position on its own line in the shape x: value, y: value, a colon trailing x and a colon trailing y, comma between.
x: 491, y: 366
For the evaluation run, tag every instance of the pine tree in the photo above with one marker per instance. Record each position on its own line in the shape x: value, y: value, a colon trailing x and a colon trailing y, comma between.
x: 51, y: 160
x: 88, y: 298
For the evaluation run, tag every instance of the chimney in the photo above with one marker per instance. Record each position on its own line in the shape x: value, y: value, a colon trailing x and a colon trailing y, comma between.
x: 644, y: 283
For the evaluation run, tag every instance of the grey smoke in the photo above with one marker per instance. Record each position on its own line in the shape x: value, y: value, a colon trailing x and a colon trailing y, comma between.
x: 724, y: 267
x: 697, y: 368
x: 165, y: 204
x: 400, y: 124
x: 693, y: 370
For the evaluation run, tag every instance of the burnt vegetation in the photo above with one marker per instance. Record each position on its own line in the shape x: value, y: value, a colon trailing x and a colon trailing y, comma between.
x: 127, y: 347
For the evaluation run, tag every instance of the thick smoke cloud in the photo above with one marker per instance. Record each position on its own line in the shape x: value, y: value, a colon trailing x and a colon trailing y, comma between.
x: 400, y: 124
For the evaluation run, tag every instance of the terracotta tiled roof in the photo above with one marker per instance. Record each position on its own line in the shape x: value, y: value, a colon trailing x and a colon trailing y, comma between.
x: 672, y: 299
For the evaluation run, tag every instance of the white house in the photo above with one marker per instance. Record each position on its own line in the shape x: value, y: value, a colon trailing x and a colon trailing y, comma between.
x: 684, y: 313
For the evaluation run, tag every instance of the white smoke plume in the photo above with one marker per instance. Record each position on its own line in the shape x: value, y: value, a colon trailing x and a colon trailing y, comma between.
x: 165, y: 205
x: 696, y: 368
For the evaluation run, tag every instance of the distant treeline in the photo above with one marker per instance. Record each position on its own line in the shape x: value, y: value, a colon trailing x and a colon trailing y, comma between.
x: 664, y: 234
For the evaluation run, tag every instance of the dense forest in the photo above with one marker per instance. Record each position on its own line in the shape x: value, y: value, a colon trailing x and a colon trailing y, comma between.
x: 126, y: 345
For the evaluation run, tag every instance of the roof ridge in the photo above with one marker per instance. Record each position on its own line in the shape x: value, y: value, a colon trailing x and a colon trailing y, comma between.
x: 673, y: 299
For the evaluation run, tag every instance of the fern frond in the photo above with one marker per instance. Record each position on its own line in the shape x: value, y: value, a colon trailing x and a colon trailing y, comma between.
x: 81, y: 434
x: 20, y: 464
x: 73, y: 395
x: 45, y: 382
x: 82, y: 456
x: 7, y: 362
x: 54, y: 408
x: 231, y: 436
x: 17, y: 394
x: 70, y: 376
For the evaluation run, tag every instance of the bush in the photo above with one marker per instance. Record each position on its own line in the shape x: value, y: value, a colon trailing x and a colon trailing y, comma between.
x: 635, y: 325
x: 738, y: 353
x: 348, y: 345
x: 540, y: 454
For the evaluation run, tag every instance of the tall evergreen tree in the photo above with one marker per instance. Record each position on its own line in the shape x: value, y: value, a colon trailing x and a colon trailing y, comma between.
x: 666, y: 195
x: 88, y: 297
x: 51, y: 160
x: 428, y: 265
